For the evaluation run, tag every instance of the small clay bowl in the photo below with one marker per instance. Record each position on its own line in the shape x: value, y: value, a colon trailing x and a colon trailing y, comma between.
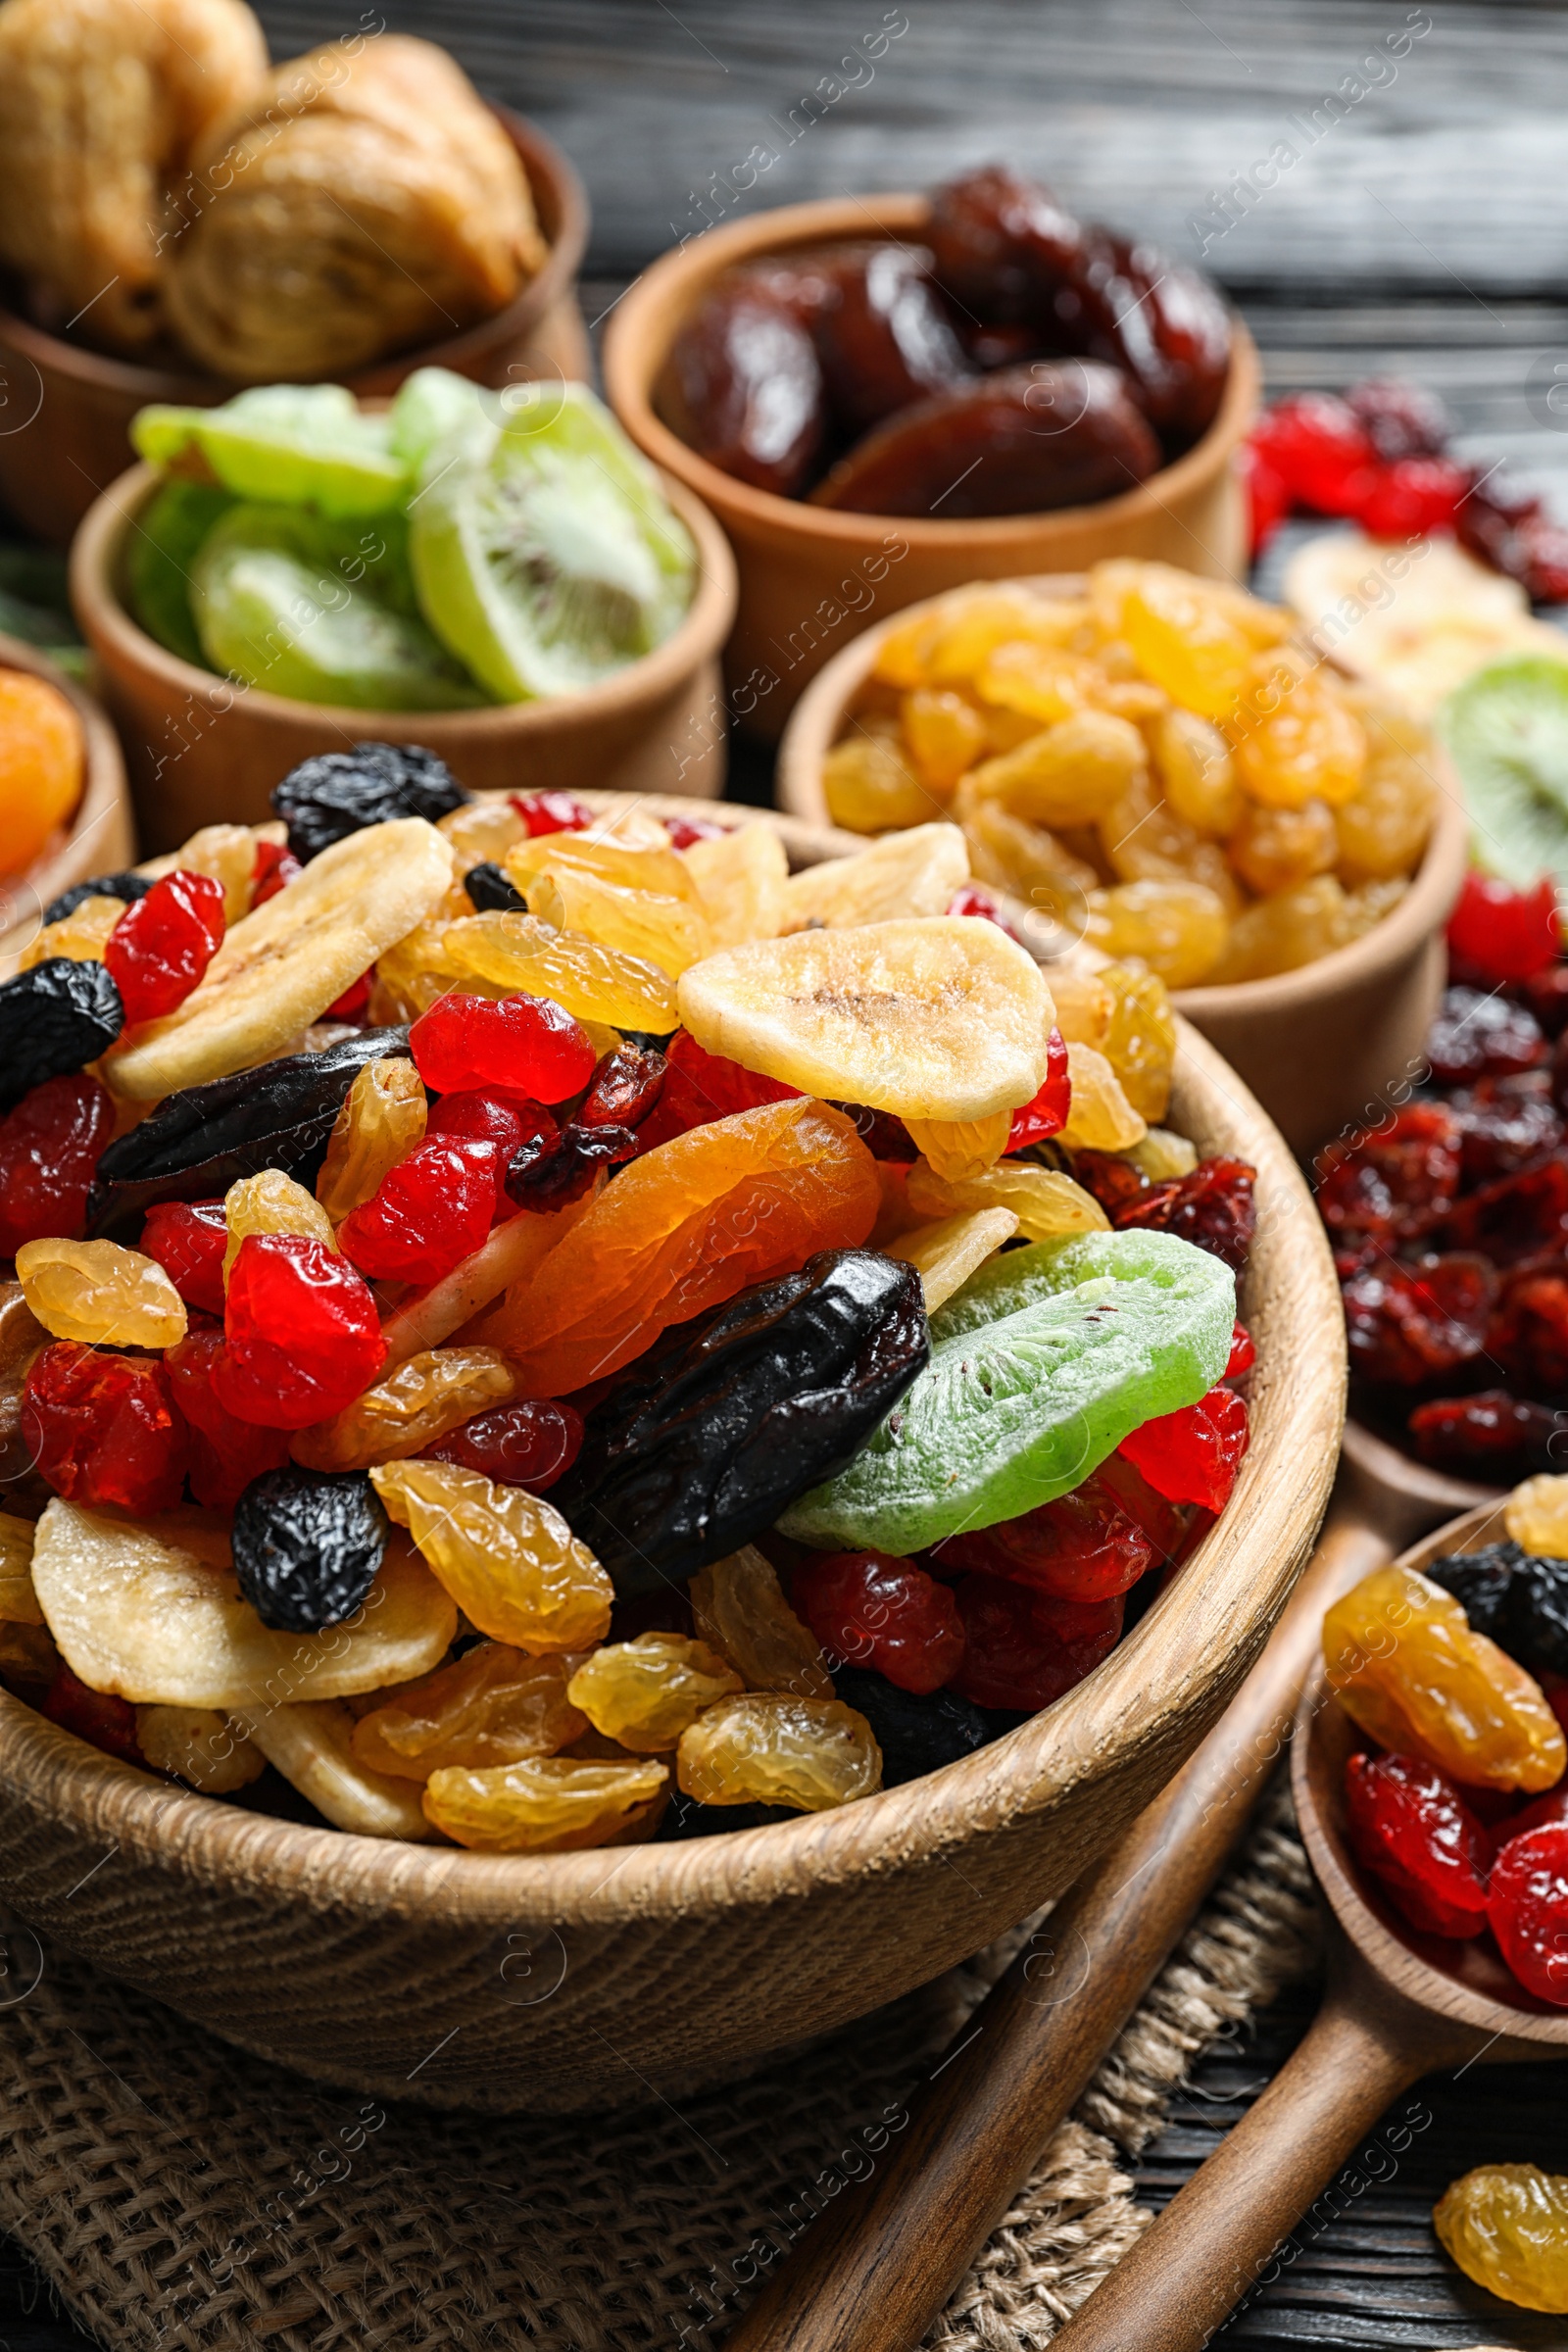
x: 203, y: 749
x: 811, y: 580
x: 1320, y: 1047
x: 65, y: 430
x: 100, y: 839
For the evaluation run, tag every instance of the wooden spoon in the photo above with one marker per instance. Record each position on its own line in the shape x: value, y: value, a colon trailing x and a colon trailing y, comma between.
x: 1397, y: 2006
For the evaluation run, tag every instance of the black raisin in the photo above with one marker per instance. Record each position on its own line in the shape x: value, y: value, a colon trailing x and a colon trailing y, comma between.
x: 337, y: 793
x: 1480, y: 1583
x: 54, y: 1018
x: 915, y: 1730
x: 1535, y: 1625
x: 307, y: 1546
x: 129, y: 887
x: 491, y: 893
x: 700, y: 1445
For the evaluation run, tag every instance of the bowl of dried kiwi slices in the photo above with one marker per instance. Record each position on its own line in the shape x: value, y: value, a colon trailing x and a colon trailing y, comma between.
x: 628, y: 1430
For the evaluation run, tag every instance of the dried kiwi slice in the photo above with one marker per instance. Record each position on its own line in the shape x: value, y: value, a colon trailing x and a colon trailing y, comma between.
x: 321, y: 610
x: 160, y: 556
x: 433, y: 406
x: 1507, y: 730
x: 544, y: 552
x: 294, y: 445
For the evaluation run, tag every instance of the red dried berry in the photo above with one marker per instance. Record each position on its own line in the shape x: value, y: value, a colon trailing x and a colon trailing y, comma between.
x: 1083, y: 1546
x: 1024, y: 1649
x: 1480, y: 1035
x: 700, y: 1087
x: 1498, y: 934
x: 429, y: 1212
x: 1320, y: 449
x: 685, y: 832
x: 276, y: 867
x: 869, y: 1609
x: 626, y: 1087
x: 1411, y: 1828
x: 1540, y: 559
x: 1169, y: 1526
x: 162, y: 944
x: 226, y: 1452
x: 1519, y: 1216
x: 1393, y: 1178
x: 1213, y: 1207
x: 489, y: 1118
x: 1546, y: 995
x: 1047, y: 1113
x: 304, y: 1339
x: 1527, y: 1910
x: 1504, y: 1128
x: 188, y: 1240
x: 1243, y: 1355
x: 1407, y: 1327
x: 104, y: 1428
x: 1413, y: 497
x: 1114, y: 1182
x: 351, y: 1004
x: 99, y: 1716
x: 1528, y: 1335
x: 1268, y: 497
x: 1193, y: 1455
x: 49, y: 1147
x: 519, y: 1045
x: 1547, y: 1811
x: 1490, y: 1436
x: 1402, y: 419
x: 552, y: 813
x: 979, y: 903
x: 530, y: 1443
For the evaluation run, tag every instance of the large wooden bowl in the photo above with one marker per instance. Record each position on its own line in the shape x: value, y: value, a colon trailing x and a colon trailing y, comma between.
x: 811, y: 580
x: 65, y: 431
x: 577, y: 1980
x: 1320, y: 1047
x: 100, y: 839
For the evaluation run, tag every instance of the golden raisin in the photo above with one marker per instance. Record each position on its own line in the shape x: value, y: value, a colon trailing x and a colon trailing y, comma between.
x: 740, y: 880
x: 591, y: 981
x: 1537, y: 1516
x: 382, y: 1118
x: 1506, y: 2226
x: 545, y: 1805
x: 871, y: 785
x: 408, y: 1408
x: 643, y: 902
x: 509, y: 1560
x: 1140, y: 1039
x: 1283, y: 932
x: 1186, y: 642
x: 1045, y: 682
x: 944, y: 734
x: 1146, y: 840
x: 271, y: 1202
x: 101, y: 1294
x: 1044, y: 1201
x: 768, y: 1748
x: 1298, y: 739
x: 1199, y: 773
x: 1383, y: 827
x: 1274, y: 849
x: 82, y: 935
x: 493, y: 1705
x: 1101, y: 1117
x: 1071, y: 773
x: 1178, y: 930
x: 646, y: 1693
x: 741, y: 1611
x: 957, y: 1149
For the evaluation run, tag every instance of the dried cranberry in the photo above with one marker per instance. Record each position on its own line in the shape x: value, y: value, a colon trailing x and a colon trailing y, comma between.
x: 552, y: 813
x: 529, y: 1444
x: 868, y: 1609
x: 1193, y: 1455
x: 276, y: 867
x: 1393, y: 1178
x: 700, y: 1087
x: 1540, y: 551
x: 1411, y: 1828
x: 521, y: 1044
x: 304, y: 1338
x: 1114, y: 1182
x: 226, y: 1452
x: 1268, y: 498
x: 685, y: 832
x: 1169, y: 1526
x: 104, y: 1428
x: 1213, y: 1206
x: 351, y: 1004
x: 101, y: 1718
x: 1402, y: 419
x: 626, y: 1087
x: 547, y: 1170
x: 1412, y: 498
x: 160, y: 946
x: 1083, y: 1546
x: 189, y: 1238
x: 1504, y: 1124
x: 1519, y: 1216
x: 1025, y: 1649
x: 49, y: 1147
x: 1482, y: 1036
x: 1528, y: 1335
x: 1047, y: 1111
x: 1497, y: 934
x: 1547, y: 995
x: 981, y: 906
x: 1491, y: 1437
x: 1409, y: 1326
x: 1527, y: 1908
x: 1320, y: 449
x: 429, y: 1212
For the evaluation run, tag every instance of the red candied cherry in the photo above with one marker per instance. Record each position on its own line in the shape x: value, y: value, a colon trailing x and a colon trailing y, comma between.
x: 1412, y: 1828
x: 189, y: 1239
x: 1169, y: 1526
x: 1542, y: 1812
x: 1268, y: 497
x: 49, y: 1147
x: 1243, y: 1355
x: 870, y: 1609
x: 552, y: 813
x: 1527, y: 1909
x: 519, y: 1045
x: 226, y: 1452
x: 1025, y: 1649
x: 99, y: 1716
x: 1497, y: 934
x: 104, y: 1428
x: 977, y: 902
x: 1212, y: 1206
x: 1320, y: 450
x: 276, y: 867
x: 163, y: 943
x: 1193, y: 1455
x: 530, y: 1443
x: 429, y: 1212
x: 700, y: 1087
x: 489, y: 1118
x: 1047, y: 1111
x: 304, y: 1339
x: 1413, y: 497
x: 1083, y: 1546
x: 685, y: 832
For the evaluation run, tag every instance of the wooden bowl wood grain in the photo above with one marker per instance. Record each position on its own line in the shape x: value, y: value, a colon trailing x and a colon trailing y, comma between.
x: 809, y: 578
x: 579, y: 1981
x: 101, y: 837
x: 66, y: 429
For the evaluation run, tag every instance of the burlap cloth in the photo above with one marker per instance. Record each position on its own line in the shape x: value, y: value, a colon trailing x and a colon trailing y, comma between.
x: 180, y: 2194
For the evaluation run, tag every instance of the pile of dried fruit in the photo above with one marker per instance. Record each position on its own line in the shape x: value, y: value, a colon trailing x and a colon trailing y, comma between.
x: 818, y: 1259
x: 1155, y: 764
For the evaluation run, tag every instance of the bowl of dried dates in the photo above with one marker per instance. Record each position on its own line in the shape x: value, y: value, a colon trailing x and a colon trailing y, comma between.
x: 624, y: 1449
x: 882, y: 397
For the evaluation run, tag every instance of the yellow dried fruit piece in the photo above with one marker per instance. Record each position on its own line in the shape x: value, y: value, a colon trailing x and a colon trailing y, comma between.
x: 546, y: 1805
x: 1101, y: 1117
x: 1138, y: 1041
x: 507, y: 1559
x: 1069, y: 773
x: 1283, y: 932
x: 1506, y: 2226
x: 1084, y: 1002
x: 382, y: 1118
x: 1045, y: 682
x: 739, y: 1609
x: 645, y: 1694
x: 1296, y: 739
x: 407, y: 1409
x: 1162, y: 1153
x: 961, y: 1148
x: 871, y: 786
x: 1137, y: 699
x: 1044, y: 1201
x: 199, y: 1746
x: 271, y: 1202
x: 481, y: 832
x: 947, y: 1253
x: 1536, y: 1516
x: 1383, y: 827
x: 153, y: 1612
x: 19, y: 1602
x: 279, y: 970
x: 493, y: 1705
x: 100, y: 1293
x: 939, y: 1019
x: 584, y: 977
x: 1011, y: 853
x: 1274, y: 849
x: 975, y: 621
x: 913, y: 873
x: 311, y: 1746
x: 1186, y: 641
x: 1179, y: 929
x: 226, y: 854
x: 944, y: 734
x: 768, y: 1748
x: 82, y: 935
x: 643, y: 902
x: 740, y: 880
x: 1146, y: 840
x: 1199, y: 773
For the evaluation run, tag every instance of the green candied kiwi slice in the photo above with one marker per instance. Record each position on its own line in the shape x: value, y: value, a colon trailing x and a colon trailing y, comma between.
x: 323, y: 611
x: 1041, y: 1364
x: 161, y: 555
x: 545, y: 553
x: 292, y: 445
x: 1507, y: 731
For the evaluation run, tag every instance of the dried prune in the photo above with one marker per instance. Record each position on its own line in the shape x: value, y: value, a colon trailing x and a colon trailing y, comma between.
x: 490, y: 892
x: 701, y: 1443
x: 338, y: 793
x: 307, y: 1546
x: 1480, y: 1582
x: 54, y: 1018
x: 199, y: 1140
x: 125, y: 887
x: 743, y: 386
x: 1481, y: 1035
x: 917, y: 1732
x: 1517, y: 1598
x: 1407, y: 1326
x: 1020, y: 442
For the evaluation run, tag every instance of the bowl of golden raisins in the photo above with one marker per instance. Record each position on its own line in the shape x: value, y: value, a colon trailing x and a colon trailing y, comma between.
x: 1164, y: 769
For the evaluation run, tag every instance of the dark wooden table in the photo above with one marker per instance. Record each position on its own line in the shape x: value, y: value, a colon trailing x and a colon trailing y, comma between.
x: 1418, y: 225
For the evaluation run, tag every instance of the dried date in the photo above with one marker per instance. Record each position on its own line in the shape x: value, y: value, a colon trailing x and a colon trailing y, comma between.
x: 743, y: 386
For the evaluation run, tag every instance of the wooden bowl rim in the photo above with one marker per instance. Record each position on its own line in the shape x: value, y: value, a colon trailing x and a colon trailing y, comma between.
x: 1322, y: 1833
x: 103, y: 790
x: 1412, y: 1480
x: 560, y: 198
x: 647, y: 317
x: 95, y: 554
x: 1225, y: 1596
x: 813, y: 724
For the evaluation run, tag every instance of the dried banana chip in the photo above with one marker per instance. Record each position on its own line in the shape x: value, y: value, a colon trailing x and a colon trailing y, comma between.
x: 947, y: 1253
x: 199, y: 1746
x: 740, y: 880
x: 308, y: 1744
x: 154, y: 1612
x: 279, y: 970
x: 915, y: 873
